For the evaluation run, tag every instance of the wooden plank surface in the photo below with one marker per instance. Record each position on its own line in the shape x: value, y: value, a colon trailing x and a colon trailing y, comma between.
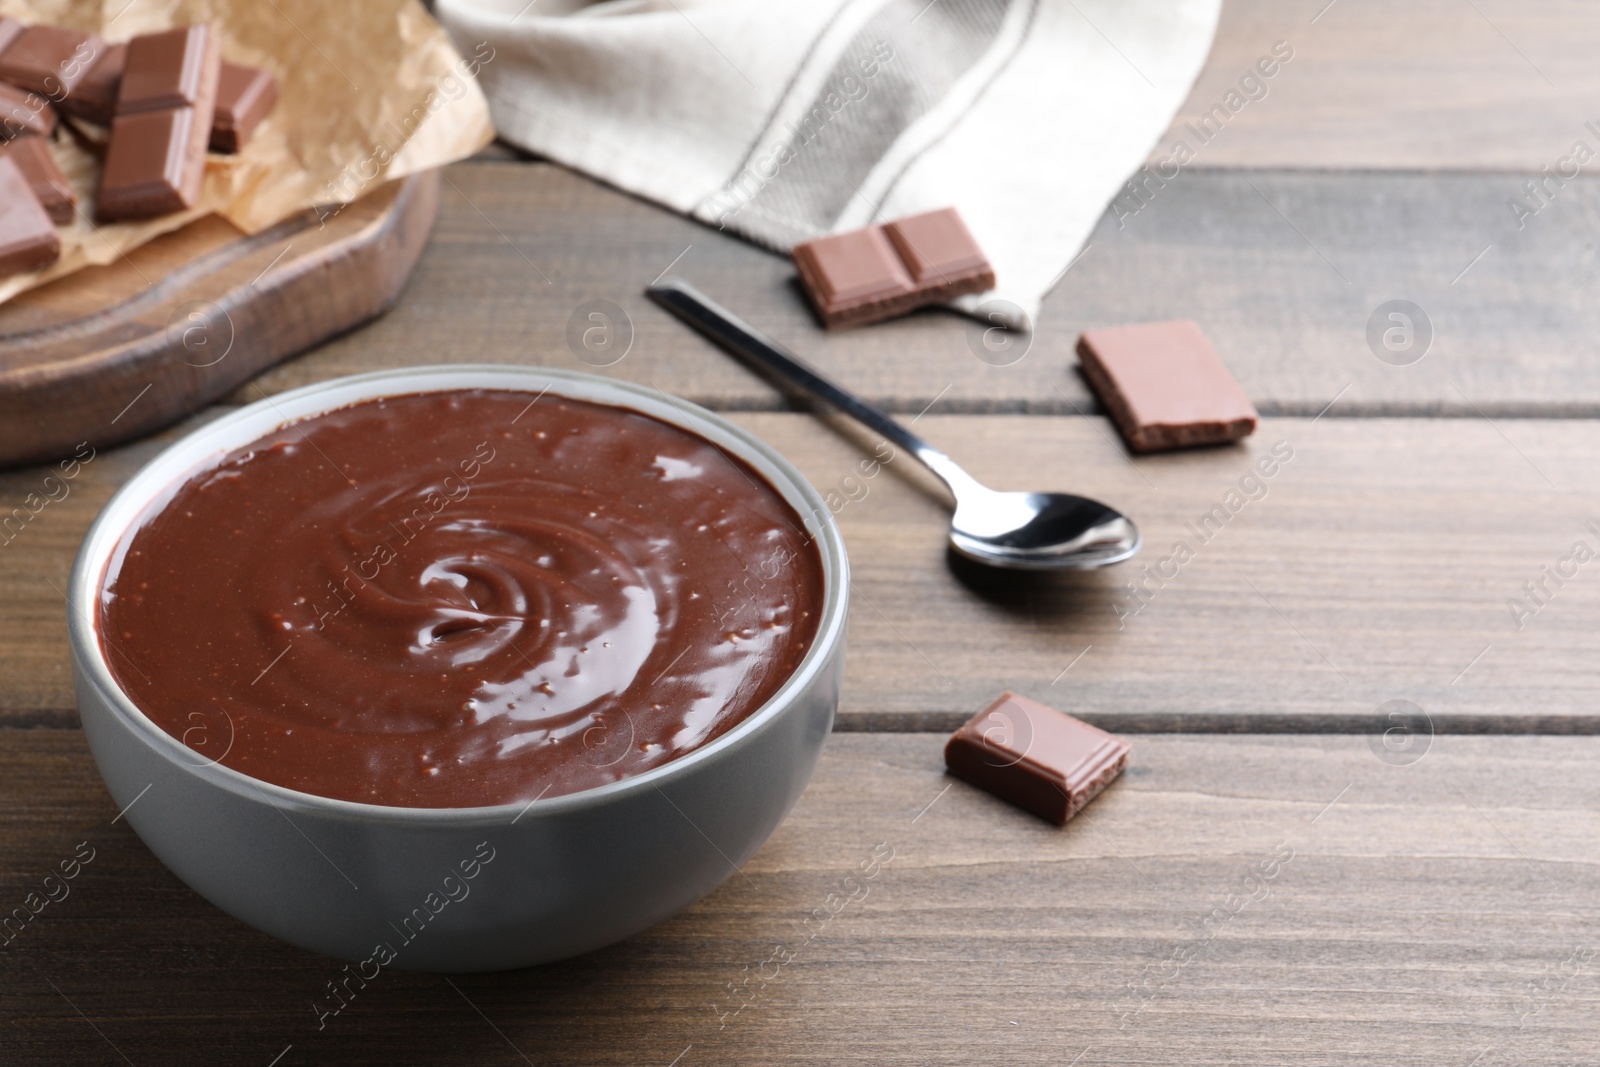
x: 1428, y: 84
x: 1375, y: 563
x: 1436, y: 910
x: 1283, y: 270
x: 1230, y: 900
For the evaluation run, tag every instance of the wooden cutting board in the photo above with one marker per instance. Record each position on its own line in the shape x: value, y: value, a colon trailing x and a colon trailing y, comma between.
x: 114, y: 352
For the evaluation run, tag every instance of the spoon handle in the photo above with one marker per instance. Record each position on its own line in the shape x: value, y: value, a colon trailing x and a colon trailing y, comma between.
x: 764, y: 354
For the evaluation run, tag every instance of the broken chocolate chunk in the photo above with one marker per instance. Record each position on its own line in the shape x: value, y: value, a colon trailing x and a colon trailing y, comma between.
x: 1164, y: 386
x: 1035, y: 757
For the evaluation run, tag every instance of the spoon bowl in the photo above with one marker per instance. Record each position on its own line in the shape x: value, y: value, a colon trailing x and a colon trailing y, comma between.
x: 1018, y: 531
x: 1040, y: 531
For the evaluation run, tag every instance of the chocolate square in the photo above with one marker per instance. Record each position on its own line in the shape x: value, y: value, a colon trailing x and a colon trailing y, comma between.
x: 156, y: 157
x: 50, y: 60
x: 879, y: 272
x: 850, y: 275
x: 10, y: 30
x: 28, y: 239
x: 95, y: 98
x: 22, y: 112
x: 1035, y: 757
x: 245, y: 95
x: 178, y: 68
x: 1164, y: 386
x: 150, y: 165
x: 32, y: 157
x: 940, y: 251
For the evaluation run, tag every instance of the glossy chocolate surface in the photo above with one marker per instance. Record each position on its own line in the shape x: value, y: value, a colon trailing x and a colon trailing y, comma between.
x: 461, y: 598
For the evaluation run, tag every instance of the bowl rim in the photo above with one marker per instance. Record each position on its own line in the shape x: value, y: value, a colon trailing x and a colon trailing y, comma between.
x: 176, y: 464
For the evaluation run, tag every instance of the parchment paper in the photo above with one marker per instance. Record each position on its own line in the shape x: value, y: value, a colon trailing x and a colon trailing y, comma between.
x: 371, y: 90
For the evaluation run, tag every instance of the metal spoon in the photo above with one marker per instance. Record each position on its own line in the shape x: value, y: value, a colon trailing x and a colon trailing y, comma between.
x: 1024, y: 531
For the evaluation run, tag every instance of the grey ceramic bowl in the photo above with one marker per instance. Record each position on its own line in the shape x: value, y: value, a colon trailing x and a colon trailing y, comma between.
x: 458, y: 889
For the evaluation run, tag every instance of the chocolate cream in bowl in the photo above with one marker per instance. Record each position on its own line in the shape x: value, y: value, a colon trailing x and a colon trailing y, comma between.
x: 461, y: 598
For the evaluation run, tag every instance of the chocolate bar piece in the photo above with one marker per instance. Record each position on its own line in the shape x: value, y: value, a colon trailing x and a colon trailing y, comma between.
x: 9, y: 31
x: 32, y: 157
x: 941, y: 254
x: 879, y: 272
x: 1035, y: 757
x: 156, y: 158
x: 163, y: 71
x: 855, y: 277
x: 95, y: 98
x: 50, y: 60
x: 22, y: 112
x: 1164, y: 386
x: 152, y: 166
x: 244, y: 97
x: 28, y: 239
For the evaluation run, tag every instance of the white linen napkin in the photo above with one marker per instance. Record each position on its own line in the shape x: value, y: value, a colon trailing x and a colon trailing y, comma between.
x: 782, y: 120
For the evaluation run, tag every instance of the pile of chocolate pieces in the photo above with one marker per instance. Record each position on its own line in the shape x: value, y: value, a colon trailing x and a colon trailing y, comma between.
x: 165, y: 98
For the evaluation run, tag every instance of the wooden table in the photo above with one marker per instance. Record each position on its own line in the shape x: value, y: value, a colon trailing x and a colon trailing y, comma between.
x: 1431, y: 904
